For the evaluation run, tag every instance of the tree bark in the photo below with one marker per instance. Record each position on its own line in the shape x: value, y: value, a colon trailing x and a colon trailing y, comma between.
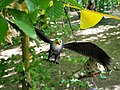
x: 26, y: 59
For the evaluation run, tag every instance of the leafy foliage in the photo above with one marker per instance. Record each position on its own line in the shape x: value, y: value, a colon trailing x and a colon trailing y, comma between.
x: 23, y: 22
x: 41, y: 71
x: 4, y: 3
x: 36, y: 4
x: 74, y: 81
x: 8, y: 74
x: 3, y: 28
x: 33, y: 16
x: 73, y: 2
x: 55, y: 11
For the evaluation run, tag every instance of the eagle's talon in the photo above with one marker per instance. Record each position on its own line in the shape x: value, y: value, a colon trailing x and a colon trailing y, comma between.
x: 56, y: 63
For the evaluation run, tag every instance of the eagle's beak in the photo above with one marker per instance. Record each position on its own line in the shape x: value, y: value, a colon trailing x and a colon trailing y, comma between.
x: 57, y: 42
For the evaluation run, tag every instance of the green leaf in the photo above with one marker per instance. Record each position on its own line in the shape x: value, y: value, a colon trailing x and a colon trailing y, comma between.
x: 44, y: 4
x: 73, y: 2
x: 32, y: 5
x: 55, y: 11
x: 33, y: 16
x: 23, y: 21
x: 20, y: 1
x: 35, y: 4
x: 3, y: 28
x: 26, y: 28
x: 4, y: 3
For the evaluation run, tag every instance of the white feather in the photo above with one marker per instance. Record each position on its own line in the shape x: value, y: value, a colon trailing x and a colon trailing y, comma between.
x: 57, y: 48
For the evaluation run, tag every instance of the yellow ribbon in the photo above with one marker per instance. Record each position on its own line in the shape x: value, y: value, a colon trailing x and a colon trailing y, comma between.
x: 90, y: 18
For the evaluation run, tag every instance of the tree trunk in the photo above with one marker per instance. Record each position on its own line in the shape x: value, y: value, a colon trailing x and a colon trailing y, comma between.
x: 26, y: 59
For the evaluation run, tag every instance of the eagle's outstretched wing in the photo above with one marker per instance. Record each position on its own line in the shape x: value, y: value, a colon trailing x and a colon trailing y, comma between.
x: 40, y: 33
x: 91, y: 50
x: 42, y: 36
x: 14, y: 26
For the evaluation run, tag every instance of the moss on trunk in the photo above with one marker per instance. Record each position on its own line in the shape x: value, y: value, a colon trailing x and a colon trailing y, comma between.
x: 26, y: 59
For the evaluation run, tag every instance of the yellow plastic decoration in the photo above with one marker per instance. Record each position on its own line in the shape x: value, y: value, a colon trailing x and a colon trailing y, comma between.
x: 89, y: 19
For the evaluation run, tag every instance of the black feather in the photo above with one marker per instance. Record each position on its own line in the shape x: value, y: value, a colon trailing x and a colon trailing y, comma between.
x: 42, y: 36
x: 14, y: 26
x: 91, y: 50
x: 85, y: 48
x: 40, y: 33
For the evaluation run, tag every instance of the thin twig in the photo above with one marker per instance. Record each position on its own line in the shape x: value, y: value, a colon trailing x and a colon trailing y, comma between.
x: 66, y: 13
x: 94, y: 83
